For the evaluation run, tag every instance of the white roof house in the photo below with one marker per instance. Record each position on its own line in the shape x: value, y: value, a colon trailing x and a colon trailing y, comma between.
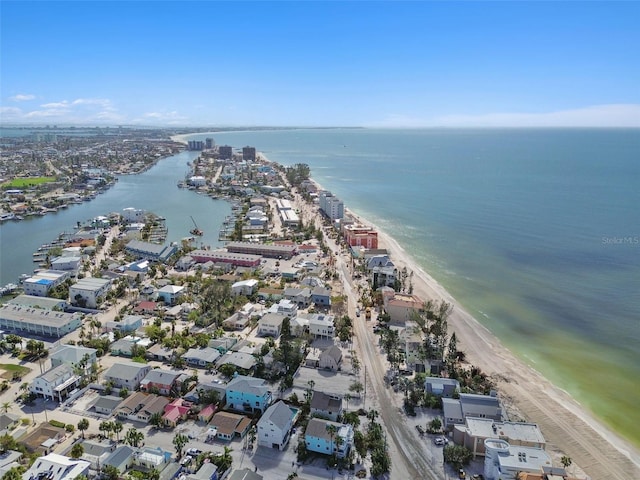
x: 56, y: 467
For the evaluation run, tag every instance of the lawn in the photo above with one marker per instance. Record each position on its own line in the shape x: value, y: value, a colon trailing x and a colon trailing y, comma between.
x: 28, y: 182
x: 10, y: 369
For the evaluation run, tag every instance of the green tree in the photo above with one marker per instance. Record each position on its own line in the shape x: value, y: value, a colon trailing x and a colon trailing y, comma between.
x: 109, y: 472
x: 6, y: 406
x: 156, y: 420
x: 133, y: 437
x: 179, y: 441
x: 117, y: 428
x: 457, y: 455
x: 83, y: 425
x: 77, y: 450
x: 566, y: 461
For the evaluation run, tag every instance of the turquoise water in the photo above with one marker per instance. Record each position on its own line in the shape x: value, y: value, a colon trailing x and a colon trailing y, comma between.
x: 536, y: 232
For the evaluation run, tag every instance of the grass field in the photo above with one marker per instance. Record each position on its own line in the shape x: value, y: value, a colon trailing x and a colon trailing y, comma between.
x: 28, y: 182
x: 10, y: 369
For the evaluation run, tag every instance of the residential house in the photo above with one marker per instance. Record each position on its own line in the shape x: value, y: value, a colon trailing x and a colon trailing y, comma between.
x: 274, y: 427
x: 160, y: 353
x: 175, y: 412
x: 330, y: 359
x: 402, y: 307
x: 96, y: 452
x: 208, y: 471
x: 126, y: 374
x: 207, y: 413
x: 201, y: 357
x: 89, y: 292
x: 245, y: 287
x: 106, y: 404
x: 140, y: 407
x: 56, y: 384
x: 171, y: 294
x: 8, y: 421
x: 124, y: 346
x: 326, y: 406
x: 243, y: 362
x: 150, y: 457
x: 321, y: 296
x: 320, y: 325
x: 146, y: 307
x: 248, y: 394
x: 271, y: 294
x: 120, y: 458
x: 284, y: 307
x: 237, y: 321
x: 228, y: 425
x: 164, y: 381
x: 270, y: 325
x: 57, y: 467
x: 442, y: 387
x: 322, y: 436
x: 73, y: 355
x: 300, y: 296
x: 128, y: 324
x: 245, y: 474
x: 471, y: 405
x: 223, y: 344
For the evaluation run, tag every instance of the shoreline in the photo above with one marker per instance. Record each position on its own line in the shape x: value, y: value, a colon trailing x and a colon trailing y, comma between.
x: 517, y: 380
x: 567, y: 425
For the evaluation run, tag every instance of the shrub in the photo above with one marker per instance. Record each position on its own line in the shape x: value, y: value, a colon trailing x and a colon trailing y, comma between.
x: 57, y: 423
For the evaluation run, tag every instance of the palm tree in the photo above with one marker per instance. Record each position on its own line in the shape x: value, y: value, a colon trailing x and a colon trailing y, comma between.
x: 156, y: 420
x: 6, y: 406
x: 83, y: 425
x: 117, y: 428
x: 331, y: 429
x: 133, y: 437
x: 372, y: 415
x: 347, y: 398
x: 179, y: 441
x: 153, y: 474
x: 566, y: 461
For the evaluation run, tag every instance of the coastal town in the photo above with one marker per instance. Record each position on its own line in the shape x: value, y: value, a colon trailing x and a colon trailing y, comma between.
x: 304, y: 348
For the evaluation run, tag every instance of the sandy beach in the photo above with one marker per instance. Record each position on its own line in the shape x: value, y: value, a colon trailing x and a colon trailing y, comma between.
x: 568, y: 428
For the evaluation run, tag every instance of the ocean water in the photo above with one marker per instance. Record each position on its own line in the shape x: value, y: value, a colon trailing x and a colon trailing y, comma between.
x: 535, y: 232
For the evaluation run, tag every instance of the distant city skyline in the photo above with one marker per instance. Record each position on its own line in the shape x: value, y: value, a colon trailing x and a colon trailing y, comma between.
x: 369, y: 64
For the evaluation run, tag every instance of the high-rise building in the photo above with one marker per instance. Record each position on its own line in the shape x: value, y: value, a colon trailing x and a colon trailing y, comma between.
x: 210, y: 143
x: 249, y: 153
x: 225, y: 151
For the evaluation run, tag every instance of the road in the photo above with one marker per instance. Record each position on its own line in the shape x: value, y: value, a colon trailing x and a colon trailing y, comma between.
x: 410, y: 458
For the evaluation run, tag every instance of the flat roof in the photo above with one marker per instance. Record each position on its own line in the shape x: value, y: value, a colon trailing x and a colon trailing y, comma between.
x: 49, y: 318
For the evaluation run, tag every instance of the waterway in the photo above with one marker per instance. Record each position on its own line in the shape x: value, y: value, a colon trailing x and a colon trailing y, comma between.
x: 154, y: 190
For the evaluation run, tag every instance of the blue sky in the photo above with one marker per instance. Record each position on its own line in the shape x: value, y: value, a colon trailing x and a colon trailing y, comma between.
x: 387, y: 64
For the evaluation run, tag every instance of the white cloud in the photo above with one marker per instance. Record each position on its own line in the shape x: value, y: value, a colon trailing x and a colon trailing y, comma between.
x: 61, y: 104
x: 80, y: 110
x: 615, y: 115
x: 162, y: 118
x: 10, y: 113
x: 22, y: 97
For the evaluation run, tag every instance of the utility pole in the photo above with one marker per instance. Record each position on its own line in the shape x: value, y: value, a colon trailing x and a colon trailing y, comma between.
x: 364, y: 404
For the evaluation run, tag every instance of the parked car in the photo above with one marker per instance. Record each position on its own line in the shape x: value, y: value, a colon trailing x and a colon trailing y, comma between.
x: 439, y: 441
x: 420, y: 430
x: 462, y: 473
